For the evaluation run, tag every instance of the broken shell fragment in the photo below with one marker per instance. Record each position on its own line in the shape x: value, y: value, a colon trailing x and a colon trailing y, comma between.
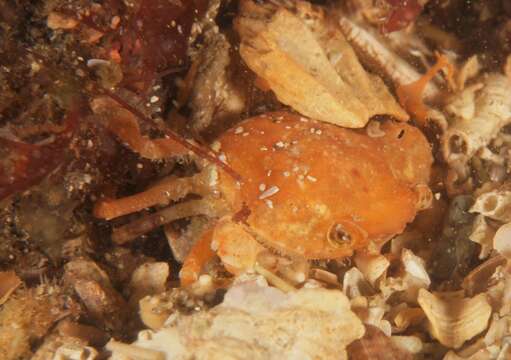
x: 376, y: 345
x: 372, y: 266
x: 454, y: 320
x: 411, y: 344
x: 354, y: 284
x: 408, y: 317
x: 308, y: 63
x: 324, y: 276
x: 467, y: 71
x: 415, y: 267
x: 125, y: 351
x: 483, y: 234
x: 153, y: 313
x: 294, y: 270
x: 148, y: 279
x: 502, y: 241
x: 72, y: 352
x: 479, y: 279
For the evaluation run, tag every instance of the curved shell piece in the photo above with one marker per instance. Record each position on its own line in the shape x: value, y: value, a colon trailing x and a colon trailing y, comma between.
x: 376, y: 345
x: 454, y: 320
x: 502, y: 241
x: 309, y: 64
x: 321, y: 191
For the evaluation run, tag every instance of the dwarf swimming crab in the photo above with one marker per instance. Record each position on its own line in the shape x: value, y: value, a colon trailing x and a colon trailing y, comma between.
x: 308, y: 189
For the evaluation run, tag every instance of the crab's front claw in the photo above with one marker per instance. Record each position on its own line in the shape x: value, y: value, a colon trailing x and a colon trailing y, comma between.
x: 236, y: 248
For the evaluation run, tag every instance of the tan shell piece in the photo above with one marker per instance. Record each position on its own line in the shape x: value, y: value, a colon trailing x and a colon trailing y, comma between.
x: 309, y: 64
x: 408, y: 317
x: 372, y: 266
x: 502, y: 241
x: 479, y: 279
x: 415, y: 267
x: 71, y: 352
x: 483, y: 234
x: 411, y: 344
x: 455, y: 320
x: 468, y: 70
x: 148, y: 279
x: 375, y: 345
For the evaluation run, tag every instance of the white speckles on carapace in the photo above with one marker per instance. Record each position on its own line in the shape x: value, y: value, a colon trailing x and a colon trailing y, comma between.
x: 311, y: 178
x: 280, y: 144
x: 269, y: 192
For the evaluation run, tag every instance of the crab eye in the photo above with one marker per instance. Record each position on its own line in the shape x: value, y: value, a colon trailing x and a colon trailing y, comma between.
x: 346, y: 233
x: 338, y: 235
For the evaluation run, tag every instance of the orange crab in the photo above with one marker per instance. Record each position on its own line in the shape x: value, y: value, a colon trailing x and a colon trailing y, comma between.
x: 309, y: 188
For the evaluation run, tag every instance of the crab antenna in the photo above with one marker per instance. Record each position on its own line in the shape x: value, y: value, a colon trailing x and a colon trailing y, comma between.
x: 205, y: 154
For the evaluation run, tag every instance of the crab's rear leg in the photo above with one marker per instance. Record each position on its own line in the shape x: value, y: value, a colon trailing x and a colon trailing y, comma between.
x: 210, y: 207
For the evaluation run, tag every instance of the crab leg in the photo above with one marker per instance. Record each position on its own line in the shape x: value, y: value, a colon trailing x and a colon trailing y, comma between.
x: 170, y: 189
x: 410, y: 95
x: 199, y: 256
x: 208, y: 207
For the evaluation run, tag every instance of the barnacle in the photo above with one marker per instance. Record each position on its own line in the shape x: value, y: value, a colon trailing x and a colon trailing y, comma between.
x: 479, y: 111
x: 495, y: 204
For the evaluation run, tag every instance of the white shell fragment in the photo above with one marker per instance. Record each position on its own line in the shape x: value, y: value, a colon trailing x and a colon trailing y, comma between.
x: 257, y: 322
x: 483, y: 234
x: 502, y: 241
x: 454, y: 320
x: 372, y: 266
x: 415, y: 267
x: 411, y: 344
x: 75, y: 352
x: 148, y: 279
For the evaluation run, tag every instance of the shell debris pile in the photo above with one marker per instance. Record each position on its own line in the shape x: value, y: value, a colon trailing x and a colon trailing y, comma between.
x: 258, y: 322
